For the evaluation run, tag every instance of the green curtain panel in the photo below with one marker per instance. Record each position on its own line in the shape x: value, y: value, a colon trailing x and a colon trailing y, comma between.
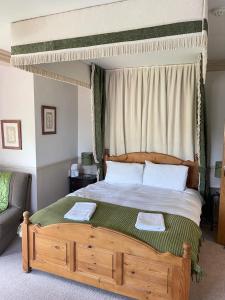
x: 203, y: 140
x: 99, y: 117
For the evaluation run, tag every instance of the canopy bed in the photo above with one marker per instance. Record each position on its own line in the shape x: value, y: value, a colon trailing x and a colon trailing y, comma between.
x: 147, y: 81
x: 117, y: 260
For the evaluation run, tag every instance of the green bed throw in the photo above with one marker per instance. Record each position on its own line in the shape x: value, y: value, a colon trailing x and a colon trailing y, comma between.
x: 5, y: 178
x: 178, y: 229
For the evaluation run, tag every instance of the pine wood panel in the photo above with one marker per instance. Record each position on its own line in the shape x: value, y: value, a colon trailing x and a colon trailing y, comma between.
x: 150, y: 276
x: 94, y: 260
x: 50, y: 250
x: 159, y: 158
x: 221, y: 223
x: 106, y: 259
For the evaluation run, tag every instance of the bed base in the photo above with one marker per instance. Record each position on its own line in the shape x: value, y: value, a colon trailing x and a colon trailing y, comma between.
x: 106, y: 259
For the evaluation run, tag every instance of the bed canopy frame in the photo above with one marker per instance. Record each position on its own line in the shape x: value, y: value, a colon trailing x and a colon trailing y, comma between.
x: 176, y: 34
x: 95, y: 36
x: 179, y: 26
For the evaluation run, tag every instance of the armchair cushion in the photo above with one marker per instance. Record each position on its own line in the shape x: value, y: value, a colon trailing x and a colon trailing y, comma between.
x: 19, y: 199
x: 5, y: 178
x: 9, y: 219
x: 19, y: 195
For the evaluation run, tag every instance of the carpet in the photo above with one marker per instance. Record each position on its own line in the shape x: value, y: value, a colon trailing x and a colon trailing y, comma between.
x: 16, y: 285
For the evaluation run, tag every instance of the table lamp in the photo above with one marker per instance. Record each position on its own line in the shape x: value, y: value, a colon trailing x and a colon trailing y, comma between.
x: 87, y: 158
x: 218, y: 167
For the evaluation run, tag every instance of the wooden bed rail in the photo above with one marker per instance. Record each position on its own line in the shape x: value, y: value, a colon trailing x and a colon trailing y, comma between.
x: 106, y: 259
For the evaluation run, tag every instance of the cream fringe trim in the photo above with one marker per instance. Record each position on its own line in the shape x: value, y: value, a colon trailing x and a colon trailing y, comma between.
x: 53, y: 75
x: 193, y: 40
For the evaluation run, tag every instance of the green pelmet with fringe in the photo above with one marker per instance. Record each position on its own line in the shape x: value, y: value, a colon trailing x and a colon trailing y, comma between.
x: 178, y: 229
x: 113, y: 37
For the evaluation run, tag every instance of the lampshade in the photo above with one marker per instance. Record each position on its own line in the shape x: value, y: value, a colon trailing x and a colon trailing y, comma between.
x: 87, y: 158
x: 218, y: 167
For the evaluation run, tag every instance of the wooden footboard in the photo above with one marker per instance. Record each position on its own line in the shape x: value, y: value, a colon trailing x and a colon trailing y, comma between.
x: 106, y: 259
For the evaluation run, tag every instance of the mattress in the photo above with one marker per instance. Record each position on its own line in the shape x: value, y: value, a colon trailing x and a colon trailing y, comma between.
x: 187, y: 204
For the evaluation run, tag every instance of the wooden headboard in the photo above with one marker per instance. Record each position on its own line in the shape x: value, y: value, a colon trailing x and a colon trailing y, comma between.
x: 159, y: 158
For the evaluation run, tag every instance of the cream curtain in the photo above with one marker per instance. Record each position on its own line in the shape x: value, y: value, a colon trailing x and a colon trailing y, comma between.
x: 153, y: 109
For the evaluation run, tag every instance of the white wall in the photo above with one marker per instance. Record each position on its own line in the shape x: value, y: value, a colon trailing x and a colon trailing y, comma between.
x: 62, y: 145
x: 46, y: 157
x: 85, y: 139
x: 84, y: 121
x: 215, y: 95
x: 17, y: 103
x: 55, y: 152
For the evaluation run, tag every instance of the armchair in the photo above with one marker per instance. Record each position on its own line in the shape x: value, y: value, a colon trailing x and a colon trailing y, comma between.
x: 19, y: 200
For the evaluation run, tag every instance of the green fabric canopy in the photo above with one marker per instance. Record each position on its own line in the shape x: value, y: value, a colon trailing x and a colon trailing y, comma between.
x: 202, y: 139
x: 114, y: 37
x: 98, y: 90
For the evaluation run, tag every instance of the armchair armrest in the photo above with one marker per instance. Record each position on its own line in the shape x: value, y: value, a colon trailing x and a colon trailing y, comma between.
x: 20, y: 188
x: 9, y: 219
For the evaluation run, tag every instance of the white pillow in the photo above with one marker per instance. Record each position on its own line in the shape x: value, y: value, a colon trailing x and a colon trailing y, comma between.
x: 129, y: 173
x: 165, y: 176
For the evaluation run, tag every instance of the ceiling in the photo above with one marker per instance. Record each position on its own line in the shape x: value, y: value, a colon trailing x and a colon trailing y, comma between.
x: 216, y: 48
x: 15, y: 10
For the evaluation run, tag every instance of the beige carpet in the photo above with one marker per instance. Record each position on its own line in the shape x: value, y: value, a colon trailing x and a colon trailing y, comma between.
x: 212, y: 260
x: 16, y: 285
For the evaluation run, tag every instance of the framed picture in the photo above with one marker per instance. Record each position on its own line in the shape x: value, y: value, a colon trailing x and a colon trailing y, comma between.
x: 48, y: 119
x: 11, y: 134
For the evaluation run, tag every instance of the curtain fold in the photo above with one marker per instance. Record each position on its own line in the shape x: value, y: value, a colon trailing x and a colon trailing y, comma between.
x: 98, y: 116
x: 202, y: 138
x: 152, y: 109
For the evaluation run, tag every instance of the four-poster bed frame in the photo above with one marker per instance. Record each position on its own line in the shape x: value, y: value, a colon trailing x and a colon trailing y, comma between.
x: 109, y: 259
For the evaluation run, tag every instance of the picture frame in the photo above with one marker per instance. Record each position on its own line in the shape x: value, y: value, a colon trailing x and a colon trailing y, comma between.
x: 48, y: 119
x: 11, y: 134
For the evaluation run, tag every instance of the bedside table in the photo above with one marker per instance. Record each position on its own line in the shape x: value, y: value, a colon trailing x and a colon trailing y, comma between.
x: 81, y: 181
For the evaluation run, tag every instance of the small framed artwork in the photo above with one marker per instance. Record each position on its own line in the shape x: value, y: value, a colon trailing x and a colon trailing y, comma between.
x: 48, y: 119
x: 11, y: 134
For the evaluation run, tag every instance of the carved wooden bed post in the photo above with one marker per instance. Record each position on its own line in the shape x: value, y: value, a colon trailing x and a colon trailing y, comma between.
x: 25, y: 242
x: 187, y: 268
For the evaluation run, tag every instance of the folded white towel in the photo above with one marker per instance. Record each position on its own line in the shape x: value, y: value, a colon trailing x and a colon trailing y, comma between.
x: 150, y: 222
x: 81, y: 211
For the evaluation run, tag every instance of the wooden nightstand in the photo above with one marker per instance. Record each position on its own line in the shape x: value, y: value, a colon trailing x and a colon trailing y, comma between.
x: 81, y: 181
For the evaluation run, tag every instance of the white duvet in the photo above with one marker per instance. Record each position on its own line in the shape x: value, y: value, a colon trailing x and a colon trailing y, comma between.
x: 187, y: 204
